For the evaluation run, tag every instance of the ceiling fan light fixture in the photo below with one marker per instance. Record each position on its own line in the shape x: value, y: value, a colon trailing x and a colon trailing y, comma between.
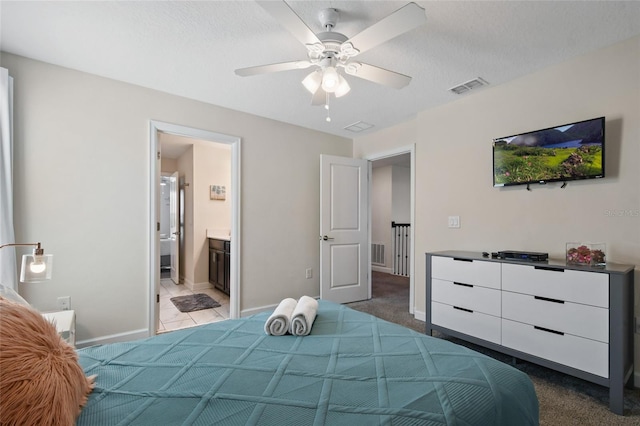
x: 330, y: 50
x: 348, y: 50
x: 343, y: 87
x: 315, y: 51
x: 352, y: 68
x: 330, y: 80
x: 312, y: 81
x: 315, y: 47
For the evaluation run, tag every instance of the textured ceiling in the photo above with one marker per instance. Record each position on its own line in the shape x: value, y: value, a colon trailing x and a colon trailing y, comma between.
x: 191, y: 49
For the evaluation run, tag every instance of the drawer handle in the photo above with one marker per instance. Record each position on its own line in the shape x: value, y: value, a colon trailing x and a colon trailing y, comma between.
x: 548, y: 330
x: 462, y: 260
x: 546, y: 268
x: 462, y: 284
x: 463, y: 309
x: 547, y: 299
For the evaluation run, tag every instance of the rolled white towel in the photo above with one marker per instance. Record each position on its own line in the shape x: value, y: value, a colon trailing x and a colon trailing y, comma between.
x: 303, y: 316
x: 280, y: 320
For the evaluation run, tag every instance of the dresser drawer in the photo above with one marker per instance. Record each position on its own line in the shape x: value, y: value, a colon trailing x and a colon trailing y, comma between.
x: 588, y: 288
x: 477, y: 324
x: 577, y: 352
x: 476, y: 298
x: 572, y: 318
x: 476, y: 272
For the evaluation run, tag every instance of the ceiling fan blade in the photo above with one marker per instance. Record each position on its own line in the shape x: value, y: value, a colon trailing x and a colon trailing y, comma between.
x: 290, y: 20
x: 402, y: 20
x: 319, y: 97
x: 378, y: 75
x: 282, y: 66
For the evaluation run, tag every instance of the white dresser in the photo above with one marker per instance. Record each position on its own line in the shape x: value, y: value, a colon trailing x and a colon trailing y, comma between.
x: 466, y: 296
x: 578, y: 320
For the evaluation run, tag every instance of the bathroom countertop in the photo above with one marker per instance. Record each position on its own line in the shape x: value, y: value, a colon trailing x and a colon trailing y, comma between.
x: 218, y: 234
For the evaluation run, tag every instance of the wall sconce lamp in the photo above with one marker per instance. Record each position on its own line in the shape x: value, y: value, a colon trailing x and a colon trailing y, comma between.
x: 36, y: 267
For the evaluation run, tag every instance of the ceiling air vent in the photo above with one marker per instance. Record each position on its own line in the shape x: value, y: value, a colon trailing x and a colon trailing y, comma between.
x: 358, y: 126
x: 469, y: 85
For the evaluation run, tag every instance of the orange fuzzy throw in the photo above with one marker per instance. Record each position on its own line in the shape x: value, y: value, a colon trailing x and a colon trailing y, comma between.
x: 41, y: 382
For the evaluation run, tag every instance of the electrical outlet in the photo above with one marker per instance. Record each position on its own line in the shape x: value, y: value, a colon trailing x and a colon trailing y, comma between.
x: 454, y: 221
x: 64, y: 303
x: 308, y: 273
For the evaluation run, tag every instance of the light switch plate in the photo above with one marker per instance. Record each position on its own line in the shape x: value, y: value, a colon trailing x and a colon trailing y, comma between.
x: 454, y: 221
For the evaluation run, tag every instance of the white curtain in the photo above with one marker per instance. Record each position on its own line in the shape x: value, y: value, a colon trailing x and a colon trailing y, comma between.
x: 8, y: 270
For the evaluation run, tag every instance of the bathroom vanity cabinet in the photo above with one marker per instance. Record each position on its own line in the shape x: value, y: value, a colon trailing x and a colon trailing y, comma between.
x: 220, y: 264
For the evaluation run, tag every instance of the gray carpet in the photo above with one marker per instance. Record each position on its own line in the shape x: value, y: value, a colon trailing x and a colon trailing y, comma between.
x: 194, y: 302
x: 564, y: 400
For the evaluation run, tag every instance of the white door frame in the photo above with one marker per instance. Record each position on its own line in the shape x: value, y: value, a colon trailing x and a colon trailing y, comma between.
x: 408, y: 149
x: 154, y: 214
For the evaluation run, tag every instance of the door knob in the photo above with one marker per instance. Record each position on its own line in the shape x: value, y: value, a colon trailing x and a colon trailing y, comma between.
x: 326, y: 238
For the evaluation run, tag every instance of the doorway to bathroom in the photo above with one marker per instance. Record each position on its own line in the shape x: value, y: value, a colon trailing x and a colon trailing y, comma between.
x: 193, y: 164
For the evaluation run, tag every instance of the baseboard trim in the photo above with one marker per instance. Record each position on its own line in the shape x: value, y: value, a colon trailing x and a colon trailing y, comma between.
x: 187, y: 283
x: 257, y: 310
x: 199, y: 286
x: 253, y: 311
x: 419, y: 315
x: 382, y: 269
x: 114, y: 338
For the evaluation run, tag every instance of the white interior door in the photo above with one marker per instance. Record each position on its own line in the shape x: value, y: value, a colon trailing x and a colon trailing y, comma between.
x: 174, y: 228
x: 344, y: 230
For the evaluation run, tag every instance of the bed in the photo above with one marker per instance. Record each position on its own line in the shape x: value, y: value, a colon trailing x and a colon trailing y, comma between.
x: 353, y: 369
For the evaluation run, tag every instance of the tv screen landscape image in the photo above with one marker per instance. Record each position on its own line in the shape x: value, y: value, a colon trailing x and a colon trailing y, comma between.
x: 562, y: 153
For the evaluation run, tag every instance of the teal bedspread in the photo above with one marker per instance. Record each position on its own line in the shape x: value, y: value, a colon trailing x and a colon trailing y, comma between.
x: 353, y: 369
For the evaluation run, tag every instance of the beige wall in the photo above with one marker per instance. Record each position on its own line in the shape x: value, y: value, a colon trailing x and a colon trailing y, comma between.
x: 168, y: 165
x: 212, y: 166
x: 454, y: 164
x: 381, y: 205
x: 401, y: 194
x: 82, y: 188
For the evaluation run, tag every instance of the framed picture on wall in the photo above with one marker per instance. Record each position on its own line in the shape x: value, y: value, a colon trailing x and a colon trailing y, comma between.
x: 217, y: 192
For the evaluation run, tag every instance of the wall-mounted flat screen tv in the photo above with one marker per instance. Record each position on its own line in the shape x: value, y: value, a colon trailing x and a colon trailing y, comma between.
x: 557, y: 154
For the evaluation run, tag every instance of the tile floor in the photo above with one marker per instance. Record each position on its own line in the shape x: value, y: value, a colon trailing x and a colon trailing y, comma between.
x: 172, y: 319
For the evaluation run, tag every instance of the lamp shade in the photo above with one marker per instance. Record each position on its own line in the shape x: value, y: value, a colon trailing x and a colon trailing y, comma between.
x: 330, y: 80
x: 343, y: 87
x: 36, y: 268
x: 313, y: 81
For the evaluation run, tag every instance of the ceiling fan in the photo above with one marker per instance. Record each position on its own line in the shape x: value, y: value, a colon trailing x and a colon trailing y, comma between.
x: 330, y: 51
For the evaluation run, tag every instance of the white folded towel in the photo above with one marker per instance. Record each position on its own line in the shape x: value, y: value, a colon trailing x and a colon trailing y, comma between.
x: 303, y: 316
x: 280, y: 320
